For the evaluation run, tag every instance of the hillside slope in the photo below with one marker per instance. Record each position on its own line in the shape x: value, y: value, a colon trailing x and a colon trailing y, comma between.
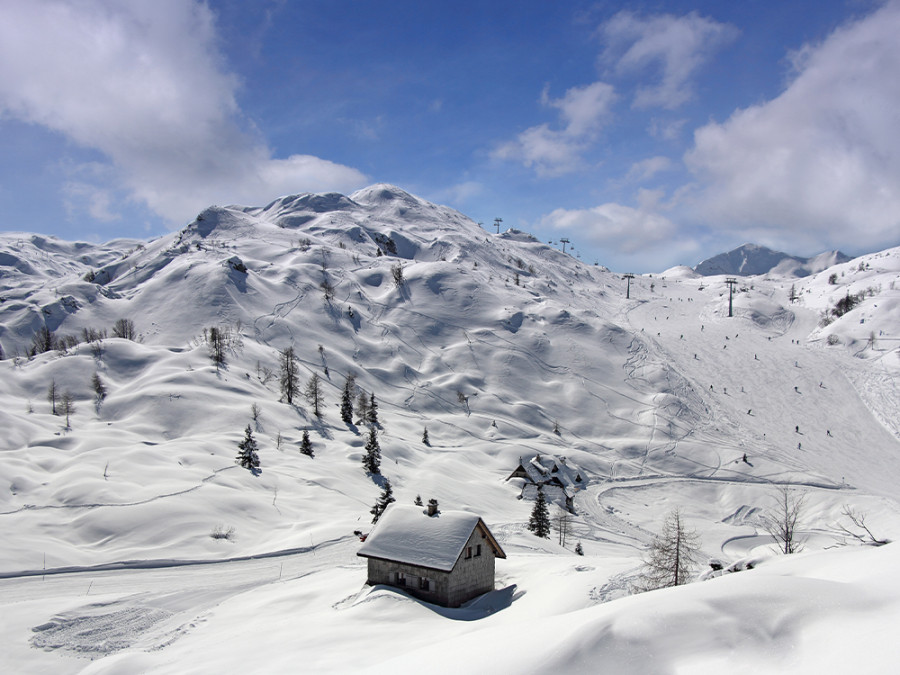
x: 491, y: 341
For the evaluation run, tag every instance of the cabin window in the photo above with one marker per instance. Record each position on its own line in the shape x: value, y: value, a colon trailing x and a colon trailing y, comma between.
x: 424, y: 584
x: 478, y: 550
x: 468, y: 552
x: 400, y: 578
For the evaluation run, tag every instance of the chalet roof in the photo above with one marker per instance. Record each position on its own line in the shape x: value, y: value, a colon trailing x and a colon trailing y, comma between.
x: 549, y: 469
x: 406, y: 534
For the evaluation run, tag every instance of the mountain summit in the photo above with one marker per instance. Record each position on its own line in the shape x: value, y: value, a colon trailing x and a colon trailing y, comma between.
x: 750, y: 259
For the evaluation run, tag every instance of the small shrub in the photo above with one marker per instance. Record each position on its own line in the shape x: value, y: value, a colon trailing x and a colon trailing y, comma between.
x: 219, y: 532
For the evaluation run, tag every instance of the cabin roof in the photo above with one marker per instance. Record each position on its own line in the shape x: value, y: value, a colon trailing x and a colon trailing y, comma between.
x: 407, y: 534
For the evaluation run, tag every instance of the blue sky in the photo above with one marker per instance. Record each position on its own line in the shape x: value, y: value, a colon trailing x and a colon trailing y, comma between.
x: 648, y: 133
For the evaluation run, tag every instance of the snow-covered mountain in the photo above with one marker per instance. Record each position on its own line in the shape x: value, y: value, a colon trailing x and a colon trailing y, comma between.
x: 750, y: 260
x: 503, y: 348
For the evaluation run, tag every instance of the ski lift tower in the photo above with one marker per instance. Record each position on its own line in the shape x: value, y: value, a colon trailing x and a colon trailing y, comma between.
x: 497, y: 222
x: 731, y: 281
x: 564, y: 241
x: 628, y: 277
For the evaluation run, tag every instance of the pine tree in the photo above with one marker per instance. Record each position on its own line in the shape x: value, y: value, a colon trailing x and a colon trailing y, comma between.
x: 539, y: 523
x: 372, y: 458
x: 418, y: 501
x: 289, y: 375
x: 306, y: 444
x: 347, y: 399
x: 248, y: 456
x: 314, y: 394
x: 425, y: 437
x: 385, y: 498
x: 372, y: 411
x: 671, y: 555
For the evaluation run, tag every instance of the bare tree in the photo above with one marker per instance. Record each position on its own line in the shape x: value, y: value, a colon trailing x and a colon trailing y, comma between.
x: 289, y: 375
x: 782, y: 521
x: 562, y: 522
x: 671, y: 556
x: 860, y: 531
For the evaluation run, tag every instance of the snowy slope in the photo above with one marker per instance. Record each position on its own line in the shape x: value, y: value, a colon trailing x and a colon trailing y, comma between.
x: 489, y: 341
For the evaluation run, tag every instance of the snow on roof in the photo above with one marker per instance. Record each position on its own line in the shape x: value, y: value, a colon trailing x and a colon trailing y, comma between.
x: 406, y: 534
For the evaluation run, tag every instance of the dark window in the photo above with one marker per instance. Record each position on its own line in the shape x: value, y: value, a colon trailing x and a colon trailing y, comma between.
x: 468, y: 552
x: 478, y: 550
x: 424, y: 584
x: 401, y: 579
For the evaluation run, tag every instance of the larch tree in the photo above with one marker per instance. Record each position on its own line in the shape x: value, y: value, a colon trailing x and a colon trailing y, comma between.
x: 124, y: 328
x: 539, y: 522
x: 290, y: 374
x: 53, y: 396
x: 671, y: 556
x: 217, y: 343
x: 313, y: 394
x: 67, y: 402
x: 99, y: 389
x: 362, y: 407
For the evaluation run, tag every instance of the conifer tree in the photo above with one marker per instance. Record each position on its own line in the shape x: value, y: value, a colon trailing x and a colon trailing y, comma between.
x: 539, y: 523
x: 372, y: 458
x: 372, y: 411
x: 418, y: 501
x: 290, y: 375
x: 306, y: 444
x: 347, y: 399
x: 425, y: 437
x: 248, y: 456
x: 385, y: 498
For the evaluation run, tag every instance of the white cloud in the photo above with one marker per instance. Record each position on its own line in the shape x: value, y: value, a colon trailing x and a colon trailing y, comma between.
x: 647, y: 168
x: 144, y: 84
x: 583, y: 110
x: 674, y: 46
x: 621, y: 228
x: 821, y: 158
